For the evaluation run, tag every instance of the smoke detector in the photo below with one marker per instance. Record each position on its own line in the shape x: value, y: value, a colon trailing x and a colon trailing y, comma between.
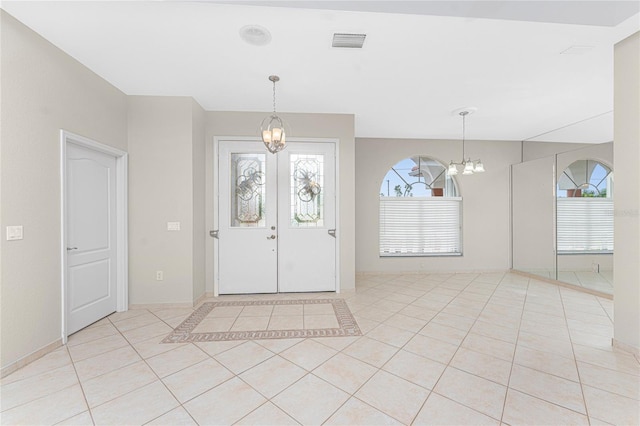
x: 255, y: 34
x: 354, y: 41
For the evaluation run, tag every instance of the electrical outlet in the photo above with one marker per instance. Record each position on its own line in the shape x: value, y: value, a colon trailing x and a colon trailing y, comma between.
x: 595, y: 267
x: 159, y: 275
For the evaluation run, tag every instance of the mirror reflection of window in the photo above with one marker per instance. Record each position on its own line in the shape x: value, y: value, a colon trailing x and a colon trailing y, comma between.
x: 420, y: 210
x: 585, y: 208
x: 586, y: 178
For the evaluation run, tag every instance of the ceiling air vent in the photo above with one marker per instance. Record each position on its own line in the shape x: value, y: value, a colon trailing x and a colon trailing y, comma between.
x: 348, y: 40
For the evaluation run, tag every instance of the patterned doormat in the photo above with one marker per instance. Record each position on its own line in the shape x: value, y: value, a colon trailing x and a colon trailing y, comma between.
x: 248, y: 320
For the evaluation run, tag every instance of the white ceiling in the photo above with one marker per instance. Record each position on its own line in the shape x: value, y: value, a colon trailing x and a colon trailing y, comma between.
x: 414, y: 70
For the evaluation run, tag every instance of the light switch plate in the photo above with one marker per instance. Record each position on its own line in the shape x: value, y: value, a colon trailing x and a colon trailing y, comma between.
x: 173, y: 226
x: 14, y: 232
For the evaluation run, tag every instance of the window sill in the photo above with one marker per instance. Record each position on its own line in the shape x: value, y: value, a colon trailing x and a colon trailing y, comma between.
x: 577, y: 252
x: 420, y: 255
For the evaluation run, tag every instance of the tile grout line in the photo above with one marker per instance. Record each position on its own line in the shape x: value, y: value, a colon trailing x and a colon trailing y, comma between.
x: 584, y: 400
x: 515, y: 350
x: 180, y: 403
x: 448, y: 365
x: 148, y: 366
x: 550, y: 374
x: 449, y: 362
x: 52, y: 392
x: 442, y: 285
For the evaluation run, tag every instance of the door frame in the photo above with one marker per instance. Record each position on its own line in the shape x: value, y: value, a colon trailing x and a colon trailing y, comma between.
x: 214, y: 193
x: 122, y: 256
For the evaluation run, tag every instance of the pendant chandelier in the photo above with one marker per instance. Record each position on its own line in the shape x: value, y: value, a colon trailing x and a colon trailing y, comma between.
x: 468, y: 166
x: 272, y: 127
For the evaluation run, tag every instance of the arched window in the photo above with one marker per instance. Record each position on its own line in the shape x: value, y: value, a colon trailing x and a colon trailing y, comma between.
x: 420, y: 210
x: 585, y: 208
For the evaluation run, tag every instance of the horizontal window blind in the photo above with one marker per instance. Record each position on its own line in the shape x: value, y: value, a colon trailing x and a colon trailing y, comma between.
x: 418, y: 226
x: 585, y: 224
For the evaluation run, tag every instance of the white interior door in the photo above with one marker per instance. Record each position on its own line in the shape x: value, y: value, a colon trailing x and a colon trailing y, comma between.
x: 247, y: 215
x: 307, y: 218
x: 276, y: 218
x: 91, y: 236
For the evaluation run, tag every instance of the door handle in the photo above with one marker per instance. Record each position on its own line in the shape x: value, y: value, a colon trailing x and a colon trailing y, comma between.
x: 273, y: 237
x: 332, y: 232
x: 214, y: 234
x: 72, y: 248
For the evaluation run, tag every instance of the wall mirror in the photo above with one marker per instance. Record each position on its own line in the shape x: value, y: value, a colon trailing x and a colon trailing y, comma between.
x: 562, y: 217
x: 584, y: 224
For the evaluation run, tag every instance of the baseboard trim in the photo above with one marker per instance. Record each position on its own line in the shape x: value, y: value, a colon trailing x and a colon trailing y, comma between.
x: 563, y: 284
x: 202, y: 298
x: 152, y: 306
x: 16, y: 365
x: 626, y: 348
x: 426, y: 272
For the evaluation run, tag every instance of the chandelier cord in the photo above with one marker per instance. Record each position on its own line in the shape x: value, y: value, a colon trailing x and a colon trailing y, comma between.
x: 464, y: 116
x: 274, y: 97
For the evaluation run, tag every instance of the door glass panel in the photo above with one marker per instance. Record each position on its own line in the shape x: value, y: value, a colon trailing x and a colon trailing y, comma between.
x: 248, y: 190
x: 307, y: 183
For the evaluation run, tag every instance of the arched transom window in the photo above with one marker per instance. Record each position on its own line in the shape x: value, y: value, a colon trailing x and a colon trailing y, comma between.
x: 420, y: 210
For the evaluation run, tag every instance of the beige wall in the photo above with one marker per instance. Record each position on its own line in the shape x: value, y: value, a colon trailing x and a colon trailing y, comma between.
x: 602, y: 152
x: 43, y: 90
x: 486, y: 240
x: 161, y: 190
x: 199, y: 176
x: 339, y: 126
x: 532, y: 150
x: 626, y: 296
x: 533, y: 217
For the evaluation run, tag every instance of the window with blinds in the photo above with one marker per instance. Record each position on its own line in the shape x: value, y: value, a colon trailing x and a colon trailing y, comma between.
x: 585, y: 224
x: 420, y: 226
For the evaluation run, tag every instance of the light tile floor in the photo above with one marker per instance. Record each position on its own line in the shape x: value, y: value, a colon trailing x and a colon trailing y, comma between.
x: 438, y: 349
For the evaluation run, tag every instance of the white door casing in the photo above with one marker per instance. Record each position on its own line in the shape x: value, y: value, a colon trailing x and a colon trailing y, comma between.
x: 94, y: 249
x: 292, y: 248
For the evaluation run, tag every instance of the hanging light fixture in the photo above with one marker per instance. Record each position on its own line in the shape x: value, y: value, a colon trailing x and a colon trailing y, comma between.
x: 272, y: 127
x: 469, y: 166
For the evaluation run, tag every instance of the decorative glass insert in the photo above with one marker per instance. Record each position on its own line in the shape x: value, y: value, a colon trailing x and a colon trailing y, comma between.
x: 307, y: 184
x: 248, y: 190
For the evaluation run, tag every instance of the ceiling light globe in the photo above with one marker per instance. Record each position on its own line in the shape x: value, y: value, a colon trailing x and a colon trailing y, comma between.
x: 273, y: 133
x: 468, y: 168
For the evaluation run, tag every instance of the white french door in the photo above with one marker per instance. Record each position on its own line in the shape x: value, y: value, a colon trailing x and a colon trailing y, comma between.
x: 276, y: 218
x: 247, y: 214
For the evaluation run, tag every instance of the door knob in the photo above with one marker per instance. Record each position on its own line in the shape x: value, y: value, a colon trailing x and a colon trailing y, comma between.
x: 273, y: 237
x: 72, y: 248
